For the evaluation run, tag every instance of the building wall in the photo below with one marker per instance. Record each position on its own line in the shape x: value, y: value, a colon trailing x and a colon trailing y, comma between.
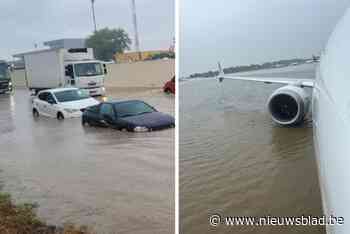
x: 66, y: 43
x: 143, y: 74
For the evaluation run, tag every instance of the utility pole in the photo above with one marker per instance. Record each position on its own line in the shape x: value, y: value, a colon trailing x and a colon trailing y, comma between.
x: 134, y: 17
x: 93, y: 14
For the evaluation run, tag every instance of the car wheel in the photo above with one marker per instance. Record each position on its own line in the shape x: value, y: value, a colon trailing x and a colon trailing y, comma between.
x: 35, y: 113
x: 60, y: 116
x: 84, y: 122
x: 125, y: 129
x: 167, y: 91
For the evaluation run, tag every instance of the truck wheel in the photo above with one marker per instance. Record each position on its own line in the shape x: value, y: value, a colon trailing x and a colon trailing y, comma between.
x: 60, y: 116
x: 35, y: 113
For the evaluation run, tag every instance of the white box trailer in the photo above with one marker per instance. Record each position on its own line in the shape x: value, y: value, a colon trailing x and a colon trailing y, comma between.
x: 53, y: 68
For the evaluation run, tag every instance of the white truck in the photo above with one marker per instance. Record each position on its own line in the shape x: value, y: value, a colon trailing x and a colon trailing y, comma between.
x: 54, y: 68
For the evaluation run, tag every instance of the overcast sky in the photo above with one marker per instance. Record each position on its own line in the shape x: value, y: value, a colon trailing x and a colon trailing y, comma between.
x: 241, y: 32
x: 24, y: 23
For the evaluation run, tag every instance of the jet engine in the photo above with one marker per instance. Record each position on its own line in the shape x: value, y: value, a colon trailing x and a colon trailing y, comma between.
x: 288, y: 105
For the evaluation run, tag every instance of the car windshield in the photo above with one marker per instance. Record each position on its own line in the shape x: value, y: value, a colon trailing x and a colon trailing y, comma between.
x: 88, y: 69
x: 71, y: 95
x: 125, y: 109
x: 4, y: 73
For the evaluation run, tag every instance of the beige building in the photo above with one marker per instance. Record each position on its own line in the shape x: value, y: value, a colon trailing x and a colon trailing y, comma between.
x: 143, y: 74
x: 129, y: 57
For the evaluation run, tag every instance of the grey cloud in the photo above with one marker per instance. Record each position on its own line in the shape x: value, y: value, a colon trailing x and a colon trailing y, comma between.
x: 253, y: 31
x: 23, y: 23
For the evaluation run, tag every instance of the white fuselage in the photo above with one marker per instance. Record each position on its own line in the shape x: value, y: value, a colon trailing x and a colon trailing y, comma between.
x: 331, y: 118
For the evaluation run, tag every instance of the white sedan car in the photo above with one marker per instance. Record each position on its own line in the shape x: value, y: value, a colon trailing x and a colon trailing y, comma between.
x: 62, y: 103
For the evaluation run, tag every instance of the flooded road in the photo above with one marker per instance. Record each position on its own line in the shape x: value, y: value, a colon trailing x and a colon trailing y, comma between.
x: 111, y: 181
x: 235, y: 161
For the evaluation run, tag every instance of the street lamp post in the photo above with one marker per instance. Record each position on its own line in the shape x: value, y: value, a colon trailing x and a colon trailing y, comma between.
x: 93, y: 14
x: 134, y: 18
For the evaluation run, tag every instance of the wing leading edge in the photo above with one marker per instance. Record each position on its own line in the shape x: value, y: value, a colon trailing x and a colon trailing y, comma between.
x: 268, y: 80
x: 272, y: 80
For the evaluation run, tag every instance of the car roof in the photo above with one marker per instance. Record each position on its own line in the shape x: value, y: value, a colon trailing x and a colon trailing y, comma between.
x: 57, y: 90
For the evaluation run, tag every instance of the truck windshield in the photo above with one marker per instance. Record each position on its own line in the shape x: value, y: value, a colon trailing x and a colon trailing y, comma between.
x: 88, y: 69
x: 4, y: 73
x: 71, y: 95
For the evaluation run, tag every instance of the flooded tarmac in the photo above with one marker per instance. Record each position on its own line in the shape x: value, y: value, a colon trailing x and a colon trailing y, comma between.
x: 235, y: 161
x: 111, y: 181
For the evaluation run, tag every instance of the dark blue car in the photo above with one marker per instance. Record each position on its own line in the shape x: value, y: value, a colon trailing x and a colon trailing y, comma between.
x: 133, y: 116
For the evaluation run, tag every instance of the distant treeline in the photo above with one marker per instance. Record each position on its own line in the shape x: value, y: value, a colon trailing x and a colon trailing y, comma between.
x: 251, y: 67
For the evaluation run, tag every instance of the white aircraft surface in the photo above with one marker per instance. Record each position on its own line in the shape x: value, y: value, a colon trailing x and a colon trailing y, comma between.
x: 330, y: 102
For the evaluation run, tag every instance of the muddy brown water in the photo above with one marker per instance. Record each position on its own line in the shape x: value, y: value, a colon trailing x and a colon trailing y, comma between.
x: 111, y: 181
x: 235, y: 161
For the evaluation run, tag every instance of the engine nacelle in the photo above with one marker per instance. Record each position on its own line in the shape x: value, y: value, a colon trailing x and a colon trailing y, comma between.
x: 288, y: 105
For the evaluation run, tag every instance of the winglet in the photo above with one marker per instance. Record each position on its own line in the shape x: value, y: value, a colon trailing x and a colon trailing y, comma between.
x: 221, y: 73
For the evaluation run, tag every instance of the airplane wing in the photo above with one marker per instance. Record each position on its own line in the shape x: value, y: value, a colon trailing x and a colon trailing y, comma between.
x: 268, y: 80
x: 271, y: 80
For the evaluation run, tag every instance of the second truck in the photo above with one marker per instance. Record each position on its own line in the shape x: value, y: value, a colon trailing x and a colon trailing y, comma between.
x: 53, y: 68
x: 5, y: 79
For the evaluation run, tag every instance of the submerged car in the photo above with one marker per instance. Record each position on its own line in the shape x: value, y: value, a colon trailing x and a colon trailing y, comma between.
x: 62, y: 103
x: 132, y: 116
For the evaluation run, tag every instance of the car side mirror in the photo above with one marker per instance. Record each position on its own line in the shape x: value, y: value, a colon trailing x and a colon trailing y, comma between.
x: 69, y: 71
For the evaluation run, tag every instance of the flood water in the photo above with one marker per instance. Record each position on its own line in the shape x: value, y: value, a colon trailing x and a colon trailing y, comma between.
x: 235, y: 161
x: 111, y: 181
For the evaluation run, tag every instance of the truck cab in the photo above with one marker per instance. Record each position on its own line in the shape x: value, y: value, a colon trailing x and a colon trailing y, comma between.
x: 88, y: 75
x: 5, y: 78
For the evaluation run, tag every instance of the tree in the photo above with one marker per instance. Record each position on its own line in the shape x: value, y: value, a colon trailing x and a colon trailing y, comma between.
x: 106, y: 42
